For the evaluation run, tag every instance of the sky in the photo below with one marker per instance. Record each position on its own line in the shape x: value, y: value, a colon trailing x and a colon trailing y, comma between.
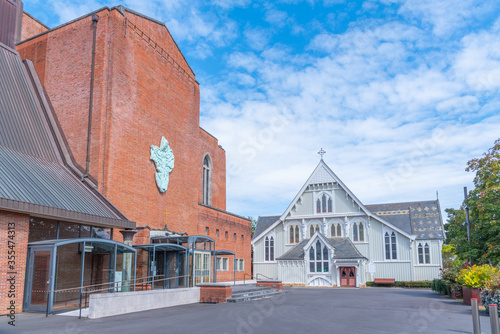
x: 400, y: 94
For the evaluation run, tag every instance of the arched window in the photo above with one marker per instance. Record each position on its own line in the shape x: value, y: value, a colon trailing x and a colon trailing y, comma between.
x: 390, y: 246
x: 336, y: 230
x: 324, y: 204
x: 313, y: 229
x: 424, y: 256
x: 358, y: 232
x: 294, y: 234
x: 269, y: 249
x: 318, y: 258
x: 207, y: 181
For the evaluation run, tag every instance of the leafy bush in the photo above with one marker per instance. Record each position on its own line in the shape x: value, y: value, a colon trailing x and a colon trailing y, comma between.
x: 476, y: 276
x: 489, y: 297
x: 406, y: 284
x: 440, y: 286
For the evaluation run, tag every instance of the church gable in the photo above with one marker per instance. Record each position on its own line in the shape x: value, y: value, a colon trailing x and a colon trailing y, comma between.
x: 323, y: 193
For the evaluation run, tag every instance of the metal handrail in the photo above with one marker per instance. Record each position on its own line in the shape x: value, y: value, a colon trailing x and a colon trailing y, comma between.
x: 257, y: 276
x: 114, y: 287
x: 244, y: 275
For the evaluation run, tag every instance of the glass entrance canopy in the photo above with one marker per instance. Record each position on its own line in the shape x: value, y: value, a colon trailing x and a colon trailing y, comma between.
x: 59, y: 270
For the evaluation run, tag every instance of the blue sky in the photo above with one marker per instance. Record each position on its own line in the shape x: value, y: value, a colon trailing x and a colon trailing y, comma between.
x: 400, y: 94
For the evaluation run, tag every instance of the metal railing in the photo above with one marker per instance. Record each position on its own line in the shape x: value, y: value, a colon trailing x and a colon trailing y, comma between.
x: 255, y: 277
x: 112, y: 287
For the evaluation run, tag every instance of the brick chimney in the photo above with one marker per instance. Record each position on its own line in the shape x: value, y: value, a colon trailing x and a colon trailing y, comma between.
x: 11, y: 16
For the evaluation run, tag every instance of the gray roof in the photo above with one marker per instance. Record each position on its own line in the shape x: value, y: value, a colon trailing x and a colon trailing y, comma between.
x: 37, y: 172
x: 420, y: 218
x: 263, y: 224
x: 343, y: 249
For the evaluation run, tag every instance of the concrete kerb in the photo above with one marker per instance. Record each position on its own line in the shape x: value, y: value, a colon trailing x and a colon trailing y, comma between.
x: 110, y: 304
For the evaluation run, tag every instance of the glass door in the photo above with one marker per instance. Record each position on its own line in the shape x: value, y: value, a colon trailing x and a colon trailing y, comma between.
x: 38, y: 279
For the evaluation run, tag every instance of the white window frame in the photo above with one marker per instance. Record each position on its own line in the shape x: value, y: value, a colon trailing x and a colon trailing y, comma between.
x: 319, y: 197
x: 272, y: 248
x: 358, y: 233
x: 391, y: 244
x: 423, y: 244
x: 315, y: 261
x: 222, y: 263
x: 295, y: 235
x: 318, y: 224
x: 335, y: 226
x: 239, y: 264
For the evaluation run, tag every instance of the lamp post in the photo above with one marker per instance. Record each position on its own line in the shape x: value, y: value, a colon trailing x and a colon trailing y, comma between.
x: 467, y: 221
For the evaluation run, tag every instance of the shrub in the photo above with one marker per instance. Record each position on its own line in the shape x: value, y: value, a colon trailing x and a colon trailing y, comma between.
x: 476, y: 276
x: 489, y: 297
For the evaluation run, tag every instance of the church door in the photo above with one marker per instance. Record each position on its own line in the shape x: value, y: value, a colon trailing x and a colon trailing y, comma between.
x: 347, y: 276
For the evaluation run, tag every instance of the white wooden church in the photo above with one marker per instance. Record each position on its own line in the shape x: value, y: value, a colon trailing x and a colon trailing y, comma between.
x: 327, y: 237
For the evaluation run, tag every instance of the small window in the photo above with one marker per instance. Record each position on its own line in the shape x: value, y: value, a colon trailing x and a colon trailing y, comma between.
x: 294, y: 233
x: 355, y: 232
x: 234, y: 237
x: 313, y: 229
x: 318, y: 258
x: 324, y: 204
x: 206, y: 230
x: 336, y: 230
x: 424, y: 256
x: 222, y: 264
x: 217, y: 232
x: 239, y: 264
x: 225, y: 235
x: 242, y: 238
x: 391, y: 252
x: 358, y: 232
x: 269, y: 249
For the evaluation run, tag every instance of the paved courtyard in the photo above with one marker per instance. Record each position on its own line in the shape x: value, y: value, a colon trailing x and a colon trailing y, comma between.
x: 301, y: 310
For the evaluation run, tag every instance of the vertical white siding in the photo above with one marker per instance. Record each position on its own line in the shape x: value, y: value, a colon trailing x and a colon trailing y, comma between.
x: 376, y: 241
x: 401, y: 271
x: 292, y: 272
x: 426, y: 273
x: 304, y: 206
x: 342, y: 204
x: 267, y: 269
x: 363, y: 248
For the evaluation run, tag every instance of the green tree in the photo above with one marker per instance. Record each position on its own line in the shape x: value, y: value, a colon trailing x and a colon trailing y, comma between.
x: 253, y: 223
x: 484, y: 205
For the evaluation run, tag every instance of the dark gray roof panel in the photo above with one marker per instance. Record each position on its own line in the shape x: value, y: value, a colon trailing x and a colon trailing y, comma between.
x: 35, y: 173
x: 420, y: 218
x: 263, y: 224
x: 343, y: 249
x: 21, y: 125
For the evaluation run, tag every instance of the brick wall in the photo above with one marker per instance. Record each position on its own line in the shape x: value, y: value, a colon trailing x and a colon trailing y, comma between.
x: 20, y: 225
x: 216, y: 220
x: 143, y: 90
x: 31, y: 27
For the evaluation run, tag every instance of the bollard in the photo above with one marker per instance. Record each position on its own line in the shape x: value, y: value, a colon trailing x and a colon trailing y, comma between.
x: 494, y: 319
x: 476, y: 324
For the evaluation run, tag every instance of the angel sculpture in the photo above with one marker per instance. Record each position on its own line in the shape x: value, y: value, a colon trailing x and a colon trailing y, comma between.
x: 163, y: 158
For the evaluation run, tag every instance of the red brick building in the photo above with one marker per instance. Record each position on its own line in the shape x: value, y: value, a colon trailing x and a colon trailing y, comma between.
x: 137, y: 88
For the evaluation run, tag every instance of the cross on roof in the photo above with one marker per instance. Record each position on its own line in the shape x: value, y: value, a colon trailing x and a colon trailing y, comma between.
x: 322, y: 153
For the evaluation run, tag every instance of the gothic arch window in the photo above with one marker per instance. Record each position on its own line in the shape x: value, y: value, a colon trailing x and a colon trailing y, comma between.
x: 336, y: 230
x: 313, y: 228
x: 391, y: 252
x: 269, y: 249
x: 324, y: 204
x: 207, y: 180
x: 358, y: 232
x: 294, y: 234
x: 318, y: 258
x: 424, y: 255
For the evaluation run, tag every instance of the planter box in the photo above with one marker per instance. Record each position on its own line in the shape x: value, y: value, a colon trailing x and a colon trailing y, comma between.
x: 471, y: 293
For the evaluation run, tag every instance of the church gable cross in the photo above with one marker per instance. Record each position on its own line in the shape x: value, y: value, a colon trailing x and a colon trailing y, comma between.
x: 321, y: 153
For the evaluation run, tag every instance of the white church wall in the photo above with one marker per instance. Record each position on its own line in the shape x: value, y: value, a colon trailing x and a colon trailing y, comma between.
x: 399, y: 270
x: 426, y: 272
x: 269, y: 269
x: 304, y: 206
x: 376, y: 241
x: 292, y: 272
x: 344, y: 204
x: 363, y: 248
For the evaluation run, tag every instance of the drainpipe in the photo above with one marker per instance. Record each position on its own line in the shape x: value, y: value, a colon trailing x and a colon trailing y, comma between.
x: 95, y: 19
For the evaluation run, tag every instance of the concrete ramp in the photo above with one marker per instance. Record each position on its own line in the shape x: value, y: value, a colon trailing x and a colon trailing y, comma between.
x: 109, y: 304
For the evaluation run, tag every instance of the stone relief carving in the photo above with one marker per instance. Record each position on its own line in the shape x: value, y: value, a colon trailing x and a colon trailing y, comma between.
x: 163, y: 158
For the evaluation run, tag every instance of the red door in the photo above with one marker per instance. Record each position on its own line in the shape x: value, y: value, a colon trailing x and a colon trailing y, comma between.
x: 347, y: 276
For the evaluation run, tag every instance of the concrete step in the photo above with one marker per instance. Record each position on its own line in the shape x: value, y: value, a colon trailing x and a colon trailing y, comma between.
x: 249, y: 290
x: 236, y: 298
